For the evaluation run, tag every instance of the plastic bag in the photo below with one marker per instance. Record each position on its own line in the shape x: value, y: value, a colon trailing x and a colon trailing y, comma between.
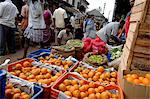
x: 87, y: 44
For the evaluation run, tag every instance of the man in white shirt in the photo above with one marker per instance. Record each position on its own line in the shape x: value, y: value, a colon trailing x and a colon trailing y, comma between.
x: 59, y: 16
x: 8, y: 13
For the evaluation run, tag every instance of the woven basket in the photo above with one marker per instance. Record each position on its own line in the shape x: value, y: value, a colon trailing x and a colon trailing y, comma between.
x: 87, y: 60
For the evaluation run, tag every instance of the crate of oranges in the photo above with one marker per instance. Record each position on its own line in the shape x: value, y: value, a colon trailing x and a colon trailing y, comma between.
x: 98, y: 75
x: 35, y: 72
x: 19, y: 89
x: 136, y: 84
x: 72, y: 86
x: 53, y: 59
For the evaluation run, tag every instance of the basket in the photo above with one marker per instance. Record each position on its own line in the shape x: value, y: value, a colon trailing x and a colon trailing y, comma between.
x: 38, y: 52
x: 61, y: 51
x: 95, y: 64
x: 74, y: 44
x: 46, y: 89
x: 56, y: 93
x: 2, y: 83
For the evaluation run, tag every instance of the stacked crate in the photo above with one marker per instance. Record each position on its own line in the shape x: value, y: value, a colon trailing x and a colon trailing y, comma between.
x: 136, y: 55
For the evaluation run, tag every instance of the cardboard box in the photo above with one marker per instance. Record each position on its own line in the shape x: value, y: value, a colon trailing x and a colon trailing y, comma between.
x: 133, y: 91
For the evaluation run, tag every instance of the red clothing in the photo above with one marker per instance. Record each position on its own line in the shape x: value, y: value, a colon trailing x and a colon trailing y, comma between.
x: 127, y: 25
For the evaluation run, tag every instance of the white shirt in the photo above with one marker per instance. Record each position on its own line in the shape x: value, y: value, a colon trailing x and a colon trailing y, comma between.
x: 8, y: 12
x: 36, y: 18
x: 72, y: 21
x: 59, y: 15
x: 107, y: 30
x: 64, y: 37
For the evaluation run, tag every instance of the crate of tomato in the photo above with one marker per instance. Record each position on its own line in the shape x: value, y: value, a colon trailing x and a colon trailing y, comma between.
x: 98, y: 75
x: 36, y: 72
x: 72, y: 86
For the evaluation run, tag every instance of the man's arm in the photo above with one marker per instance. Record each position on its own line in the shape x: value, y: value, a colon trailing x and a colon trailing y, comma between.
x: 59, y: 37
x: 119, y: 35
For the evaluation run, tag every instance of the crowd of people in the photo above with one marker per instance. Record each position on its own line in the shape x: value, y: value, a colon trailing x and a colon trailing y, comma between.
x: 38, y: 23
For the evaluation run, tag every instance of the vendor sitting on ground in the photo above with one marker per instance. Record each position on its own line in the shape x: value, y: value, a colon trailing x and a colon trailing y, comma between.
x: 65, y: 35
x: 112, y: 28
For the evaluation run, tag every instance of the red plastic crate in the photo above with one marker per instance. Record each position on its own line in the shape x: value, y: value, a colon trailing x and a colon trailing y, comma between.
x: 55, y: 92
x: 46, y: 89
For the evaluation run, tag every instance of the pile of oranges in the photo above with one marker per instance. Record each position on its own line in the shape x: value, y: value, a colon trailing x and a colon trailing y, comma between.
x: 35, y: 74
x: 138, y: 80
x: 83, y: 90
x: 15, y: 93
x: 56, y: 61
x: 99, y: 75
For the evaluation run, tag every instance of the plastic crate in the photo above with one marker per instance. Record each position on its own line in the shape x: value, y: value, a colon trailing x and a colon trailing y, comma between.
x: 37, y: 92
x: 46, y: 89
x: 38, y: 52
x: 55, y: 93
x: 2, y: 83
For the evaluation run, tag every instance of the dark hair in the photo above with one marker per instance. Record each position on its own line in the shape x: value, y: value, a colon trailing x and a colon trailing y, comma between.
x: 122, y: 22
x: 82, y: 8
x: 2, y: 0
x: 46, y: 5
x: 68, y: 26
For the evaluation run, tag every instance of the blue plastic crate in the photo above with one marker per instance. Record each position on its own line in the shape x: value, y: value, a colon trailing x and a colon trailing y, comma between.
x: 37, y: 92
x: 2, y: 83
x: 38, y: 52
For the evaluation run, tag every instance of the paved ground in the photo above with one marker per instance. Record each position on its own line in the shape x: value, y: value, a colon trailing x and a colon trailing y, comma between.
x: 17, y: 55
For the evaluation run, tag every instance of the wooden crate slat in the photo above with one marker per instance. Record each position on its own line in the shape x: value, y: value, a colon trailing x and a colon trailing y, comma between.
x: 143, y: 42
x: 137, y: 2
x: 139, y: 8
x: 136, y: 17
x: 141, y: 55
x: 141, y: 49
x: 133, y: 26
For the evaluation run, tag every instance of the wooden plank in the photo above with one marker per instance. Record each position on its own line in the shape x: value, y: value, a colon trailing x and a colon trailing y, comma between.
x: 141, y: 49
x: 140, y: 63
x: 136, y: 16
x: 143, y: 42
x: 133, y: 26
x: 141, y: 55
x: 137, y: 2
x: 144, y: 27
x: 147, y: 19
x: 139, y: 8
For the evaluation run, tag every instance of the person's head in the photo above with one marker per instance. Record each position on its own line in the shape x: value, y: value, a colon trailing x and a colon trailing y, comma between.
x: 132, y: 3
x: 34, y: 1
x: 82, y: 8
x: 68, y: 28
x: 46, y: 6
x: 92, y: 17
x: 122, y: 22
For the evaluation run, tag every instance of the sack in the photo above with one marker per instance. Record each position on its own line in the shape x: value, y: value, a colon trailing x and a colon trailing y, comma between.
x: 24, y: 24
x: 87, y: 44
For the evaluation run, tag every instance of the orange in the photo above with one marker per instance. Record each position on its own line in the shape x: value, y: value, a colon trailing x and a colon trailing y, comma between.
x: 43, y: 70
x: 146, y: 81
x: 72, y: 89
x: 134, y: 76
x: 86, y: 87
x: 16, y: 96
x: 113, y: 80
x: 85, y: 75
x: 25, y: 96
x: 67, y: 82
x: 107, y: 74
x: 85, y: 98
x: 62, y: 87
x: 100, y: 69
x: 32, y: 80
x: 83, y: 94
x: 76, y: 87
x: 16, y: 90
x: 98, y: 95
x: 128, y: 75
x: 82, y: 88
x: 101, y: 88
x: 38, y: 77
x: 95, y: 78
x: 91, y: 85
x: 82, y: 82
x: 54, y: 78
x: 76, y: 93
x: 18, y: 66
x: 147, y: 76
x: 58, y: 74
x: 90, y: 74
x: 91, y: 90
x: 97, y: 90
x: 98, y: 74
x: 74, y: 82
x: 113, y: 74
x: 92, y: 96
x: 141, y: 78
x: 23, y: 76
x: 130, y: 79
x: 104, y: 95
x: 136, y: 81
x: 26, y: 64
x: 68, y: 93
x: 100, y: 80
x: 31, y: 76
x: 47, y: 76
x: 68, y: 87
x: 114, y: 96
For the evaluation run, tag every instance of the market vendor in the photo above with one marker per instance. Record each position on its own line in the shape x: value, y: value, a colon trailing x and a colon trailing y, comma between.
x: 65, y: 35
x: 111, y: 29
